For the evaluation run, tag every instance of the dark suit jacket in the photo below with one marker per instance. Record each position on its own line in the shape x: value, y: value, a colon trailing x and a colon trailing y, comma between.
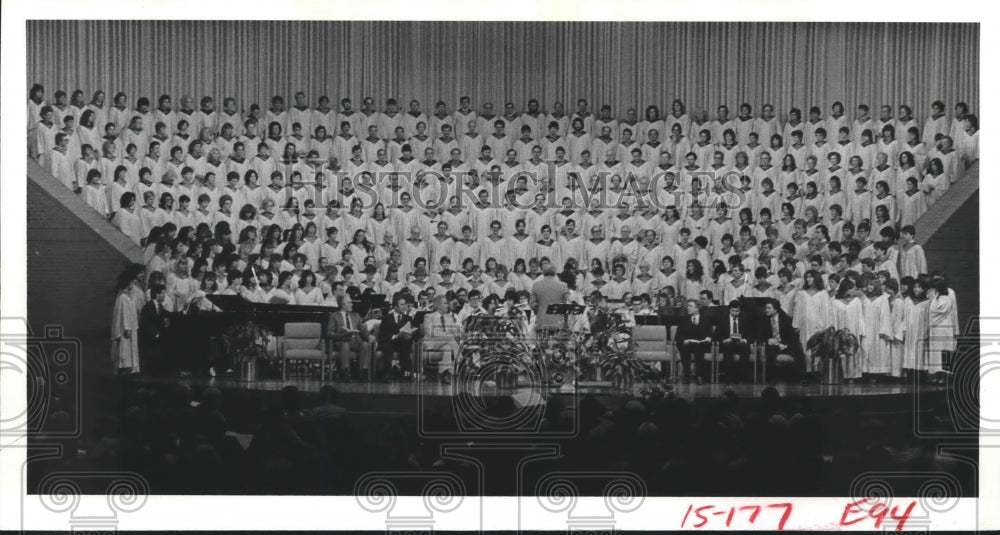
x: 723, y: 328
x: 786, y: 334
x: 152, y: 325
x: 688, y: 331
x: 336, y: 329
x: 389, y: 327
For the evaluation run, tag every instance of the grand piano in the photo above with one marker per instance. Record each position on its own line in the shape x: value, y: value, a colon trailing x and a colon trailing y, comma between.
x: 192, y: 334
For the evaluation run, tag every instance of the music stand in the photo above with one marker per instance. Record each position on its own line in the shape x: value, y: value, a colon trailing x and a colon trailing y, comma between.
x: 369, y: 302
x: 565, y: 310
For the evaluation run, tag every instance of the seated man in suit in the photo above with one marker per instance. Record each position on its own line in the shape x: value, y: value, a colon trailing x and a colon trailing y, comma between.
x: 734, y: 337
x: 395, y: 336
x: 441, y: 330
x: 348, y: 334
x: 694, y: 339
x: 780, y: 338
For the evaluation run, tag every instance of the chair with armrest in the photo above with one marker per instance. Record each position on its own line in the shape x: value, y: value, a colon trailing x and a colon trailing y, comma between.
x: 303, y: 342
x: 652, y: 345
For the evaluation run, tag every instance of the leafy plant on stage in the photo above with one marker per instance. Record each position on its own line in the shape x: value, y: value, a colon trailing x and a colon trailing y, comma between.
x: 609, y: 347
x: 831, y: 343
x: 247, y: 342
x: 494, y: 345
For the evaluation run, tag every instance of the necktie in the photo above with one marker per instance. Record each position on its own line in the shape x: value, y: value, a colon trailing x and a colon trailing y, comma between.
x: 736, y: 326
x: 694, y: 319
x: 442, y: 320
x: 774, y: 325
x: 347, y: 320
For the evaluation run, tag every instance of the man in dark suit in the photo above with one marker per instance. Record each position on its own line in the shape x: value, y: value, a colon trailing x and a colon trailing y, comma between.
x: 780, y: 338
x: 694, y: 339
x: 349, y: 333
x: 153, y: 323
x: 395, y: 336
x: 733, y: 333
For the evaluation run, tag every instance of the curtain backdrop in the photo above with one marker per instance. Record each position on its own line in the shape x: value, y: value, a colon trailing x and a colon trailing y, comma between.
x: 624, y: 64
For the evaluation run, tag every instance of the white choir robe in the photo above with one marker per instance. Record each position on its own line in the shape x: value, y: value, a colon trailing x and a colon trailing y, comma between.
x: 550, y: 250
x: 60, y: 165
x: 859, y: 207
x: 599, y: 251
x: 911, y: 207
x: 851, y: 316
x: 497, y: 249
x: 342, y: 147
x: 520, y: 247
x: 125, y: 351
x: 333, y: 252
x: 736, y: 288
x: 576, y: 143
x: 628, y: 250
x: 572, y: 247
x: 877, y: 351
x: 812, y: 314
x: 410, y: 251
x: 644, y: 285
x: 438, y: 121
x: 912, y: 261
x: 744, y: 127
x: 915, y: 333
x: 896, y: 343
x: 890, y: 203
x: 934, y: 126
x: 550, y: 144
x: 403, y: 220
x: 499, y: 145
x: 717, y: 128
x: 933, y: 187
x: 471, y: 146
x: 442, y: 148
x: 438, y: 248
x: 465, y: 250
x: 130, y: 225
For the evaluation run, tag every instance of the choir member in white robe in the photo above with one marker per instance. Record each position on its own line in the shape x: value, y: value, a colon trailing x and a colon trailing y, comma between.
x: 125, y: 328
x: 126, y: 220
x: 937, y: 123
x: 812, y: 310
x: 879, y: 329
x: 913, y: 203
x: 848, y: 313
x: 411, y: 249
x: 942, y: 330
x: 935, y: 182
x: 915, y: 330
x: 912, y: 261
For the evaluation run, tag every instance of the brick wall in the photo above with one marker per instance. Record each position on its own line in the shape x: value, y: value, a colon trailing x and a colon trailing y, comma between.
x: 74, y: 258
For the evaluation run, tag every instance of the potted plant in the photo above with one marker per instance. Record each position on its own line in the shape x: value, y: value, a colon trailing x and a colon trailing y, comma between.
x: 496, y: 351
x: 831, y: 346
x: 610, y: 349
x: 246, y: 342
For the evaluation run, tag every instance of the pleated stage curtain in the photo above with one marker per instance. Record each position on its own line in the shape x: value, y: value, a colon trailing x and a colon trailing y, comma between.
x: 624, y: 64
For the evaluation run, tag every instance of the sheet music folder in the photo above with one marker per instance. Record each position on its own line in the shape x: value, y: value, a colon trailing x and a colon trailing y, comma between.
x: 571, y: 309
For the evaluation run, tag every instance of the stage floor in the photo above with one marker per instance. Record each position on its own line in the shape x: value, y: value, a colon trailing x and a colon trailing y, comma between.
x: 430, y: 387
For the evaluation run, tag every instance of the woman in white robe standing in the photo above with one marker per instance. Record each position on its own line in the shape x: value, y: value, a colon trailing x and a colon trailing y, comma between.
x: 878, y: 333
x: 125, y: 324
x: 849, y: 314
x: 812, y: 310
x: 915, y: 326
x: 941, y: 329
